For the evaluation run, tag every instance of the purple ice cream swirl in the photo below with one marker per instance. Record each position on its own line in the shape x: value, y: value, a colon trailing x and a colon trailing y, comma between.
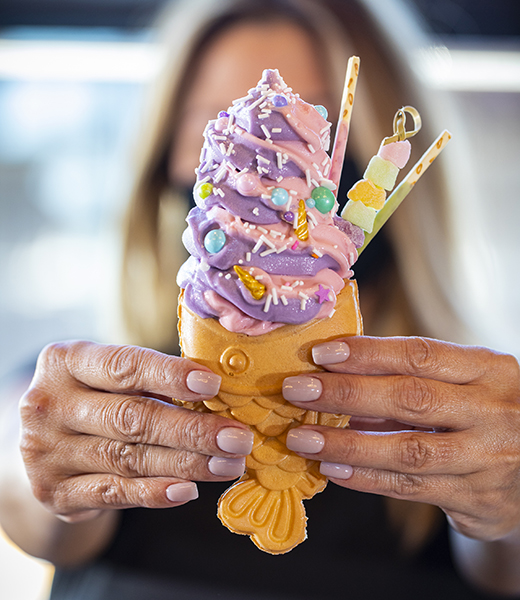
x: 264, y: 244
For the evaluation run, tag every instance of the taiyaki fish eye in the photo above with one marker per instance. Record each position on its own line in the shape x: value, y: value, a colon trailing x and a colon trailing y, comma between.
x: 234, y: 361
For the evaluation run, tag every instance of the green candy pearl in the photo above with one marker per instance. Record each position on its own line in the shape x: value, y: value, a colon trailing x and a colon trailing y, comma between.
x: 324, y: 199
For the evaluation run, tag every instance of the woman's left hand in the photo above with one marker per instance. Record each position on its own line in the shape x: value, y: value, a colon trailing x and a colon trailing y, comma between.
x: 454, y: 416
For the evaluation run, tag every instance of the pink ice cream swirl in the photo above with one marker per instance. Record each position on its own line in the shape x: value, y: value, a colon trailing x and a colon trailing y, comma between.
x: 265, y: 248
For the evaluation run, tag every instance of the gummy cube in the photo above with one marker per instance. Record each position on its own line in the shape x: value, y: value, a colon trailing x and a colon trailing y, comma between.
x: 368, y: 193
x: 397, y: 153
x: 359, y: 214
x: 381, y: 172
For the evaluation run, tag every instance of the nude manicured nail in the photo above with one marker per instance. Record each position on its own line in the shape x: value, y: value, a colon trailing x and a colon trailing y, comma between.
x: 235, y: 440
x: 301, y: 388
x: 227, y: 467
x: 203, y: 382
x: 336, y: 470
x: 330, y: 353
x: 304, y: 440
x: 182, y: 492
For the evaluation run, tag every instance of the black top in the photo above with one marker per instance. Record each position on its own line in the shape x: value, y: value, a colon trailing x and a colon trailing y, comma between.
x: 185, y: 552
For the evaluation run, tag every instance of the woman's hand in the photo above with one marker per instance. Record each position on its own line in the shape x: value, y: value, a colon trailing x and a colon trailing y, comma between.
x: 455, y: 439
x: 99, y: 430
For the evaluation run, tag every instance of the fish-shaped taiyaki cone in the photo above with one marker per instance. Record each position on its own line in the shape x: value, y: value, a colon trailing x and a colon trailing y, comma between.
x: 266, y: 503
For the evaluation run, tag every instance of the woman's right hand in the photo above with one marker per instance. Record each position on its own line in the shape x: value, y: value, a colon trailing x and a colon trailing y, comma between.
x: 99, y: 430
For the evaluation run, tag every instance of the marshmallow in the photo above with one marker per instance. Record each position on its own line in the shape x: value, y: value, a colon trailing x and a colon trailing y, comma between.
x: 368, y: 193
x: 381, y: 172
x: 359, y: 214
x: 397, y: 153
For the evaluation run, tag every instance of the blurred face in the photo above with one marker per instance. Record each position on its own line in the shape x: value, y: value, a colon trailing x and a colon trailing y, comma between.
x: 232, y: 65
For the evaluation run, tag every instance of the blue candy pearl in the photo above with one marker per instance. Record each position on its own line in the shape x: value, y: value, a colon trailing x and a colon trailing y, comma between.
x: 279, y: 196
x: 214, y: 241
x: 322, y: 110
x: 279, y: 100
x: 310, y: 202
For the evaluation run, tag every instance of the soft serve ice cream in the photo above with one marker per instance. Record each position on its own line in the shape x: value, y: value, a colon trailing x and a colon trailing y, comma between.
x: 266, y: 246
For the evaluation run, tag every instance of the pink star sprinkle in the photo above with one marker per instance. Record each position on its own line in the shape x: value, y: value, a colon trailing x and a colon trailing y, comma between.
x: 323, y: 294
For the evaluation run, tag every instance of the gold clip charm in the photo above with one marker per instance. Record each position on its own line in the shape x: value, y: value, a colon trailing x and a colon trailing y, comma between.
x: 400, y: 133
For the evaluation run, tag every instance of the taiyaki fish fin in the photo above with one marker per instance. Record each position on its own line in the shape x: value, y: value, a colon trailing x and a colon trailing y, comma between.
x: 274, y: 519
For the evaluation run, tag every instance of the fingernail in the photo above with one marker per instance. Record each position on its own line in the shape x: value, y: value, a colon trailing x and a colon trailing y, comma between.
x: 301, y: 389
x: 336, y: 470
x: 305, y: 440
x: 235, y: 440
x: 182, y: 492
x: 227, y: 467
x: 330, y: 353
x: 203, y: 382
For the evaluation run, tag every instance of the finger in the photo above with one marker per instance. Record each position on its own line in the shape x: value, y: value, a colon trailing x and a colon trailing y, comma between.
x: 137, y: 419
x: 412, y: 452
x: 102, y: 492
x: 411, y: 400
x: 376, y: 424
x: 79, y: 517
x: 91, y: 454
x: 444, y: 491
x: 417, y: 356
x: 130, y: 368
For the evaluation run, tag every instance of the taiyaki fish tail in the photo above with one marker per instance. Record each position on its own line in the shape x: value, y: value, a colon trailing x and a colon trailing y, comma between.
x: 274, y: 519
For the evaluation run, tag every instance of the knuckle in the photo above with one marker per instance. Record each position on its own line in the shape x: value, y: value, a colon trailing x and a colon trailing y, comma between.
x: 415, y: 453
x: 53, y: 354
x: 350, y: 393
x: 56, y: 358
x: 507, y: 365
x: 407, y: 485
x: 121, y: 366
x: 36, y: 445
x: 117, y: 492
x: 420, y: 354
x: 112, y: 492
x: 31, y: 446
x: 34, y: 404
x: 129, y: 419
x: 416, y: 396
x: 511, y: 363
x: 185, y: 465
x: 193, y: 432
x: 126, y: 459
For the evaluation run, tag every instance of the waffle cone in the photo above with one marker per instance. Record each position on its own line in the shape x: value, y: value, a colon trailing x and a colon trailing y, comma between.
x: 266, y: 503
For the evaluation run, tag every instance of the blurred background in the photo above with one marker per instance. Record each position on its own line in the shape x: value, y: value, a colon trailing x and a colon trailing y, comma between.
x: 73, y: 80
